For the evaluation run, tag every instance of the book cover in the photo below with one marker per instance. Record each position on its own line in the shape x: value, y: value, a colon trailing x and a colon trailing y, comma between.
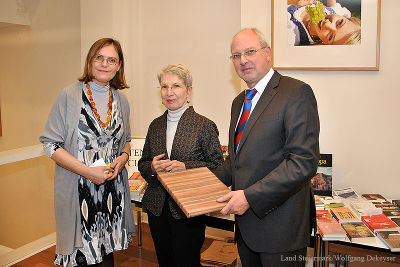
x: 357, y: 231
x: 374, y: 197
x: 363, y: 207
x: 396, y: 202
x: 323, y: 215
x: 331, y: 230
x: 322, y: 181
x: 391, y: 239
x: 345, y: 193
x: 379, y: 222
x: 137, y: 185
x: 391, y: 212
x: 344, y: 214
x: 319, y: 204
x: 396, y: 220
x: 194, y: 190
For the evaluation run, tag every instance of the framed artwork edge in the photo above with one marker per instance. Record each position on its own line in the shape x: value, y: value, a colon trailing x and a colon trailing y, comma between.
x: 322, y: 66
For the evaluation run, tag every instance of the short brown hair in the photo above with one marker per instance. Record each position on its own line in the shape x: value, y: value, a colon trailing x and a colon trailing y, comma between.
x: 118, y: 82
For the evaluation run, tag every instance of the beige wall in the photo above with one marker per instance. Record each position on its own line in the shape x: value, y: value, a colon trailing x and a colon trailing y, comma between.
x: 358, y: 109
x: 195, y: 33
x: 37, y: 61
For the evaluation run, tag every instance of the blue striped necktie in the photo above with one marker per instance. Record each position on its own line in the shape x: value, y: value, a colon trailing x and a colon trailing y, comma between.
x: 250, y: 93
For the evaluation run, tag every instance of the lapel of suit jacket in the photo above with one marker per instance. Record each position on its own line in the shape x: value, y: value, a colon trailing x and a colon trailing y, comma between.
x: 236, y: 108
x: 262, y: 104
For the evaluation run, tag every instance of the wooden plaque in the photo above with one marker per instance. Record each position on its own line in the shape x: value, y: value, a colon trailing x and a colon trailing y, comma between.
x: 194, y: 190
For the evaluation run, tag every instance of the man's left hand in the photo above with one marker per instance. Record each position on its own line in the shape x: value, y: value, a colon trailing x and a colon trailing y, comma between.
x: 237, y: 203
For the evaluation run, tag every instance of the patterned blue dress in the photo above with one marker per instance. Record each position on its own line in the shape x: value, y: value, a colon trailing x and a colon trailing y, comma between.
x: 101, y: 206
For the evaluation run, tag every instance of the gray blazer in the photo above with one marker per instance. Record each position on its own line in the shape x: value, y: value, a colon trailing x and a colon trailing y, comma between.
x: 195, y: 143
x: 61, y: 127
x: 275, y: 161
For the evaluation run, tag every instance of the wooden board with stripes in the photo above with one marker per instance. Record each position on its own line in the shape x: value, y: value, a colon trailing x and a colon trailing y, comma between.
x: 194, y: 190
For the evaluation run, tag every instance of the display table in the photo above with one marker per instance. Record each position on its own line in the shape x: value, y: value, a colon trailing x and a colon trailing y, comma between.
x: 346, y: 252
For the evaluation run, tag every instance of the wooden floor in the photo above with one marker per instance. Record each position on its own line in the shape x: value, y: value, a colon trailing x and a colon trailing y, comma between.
x: 143, y: 256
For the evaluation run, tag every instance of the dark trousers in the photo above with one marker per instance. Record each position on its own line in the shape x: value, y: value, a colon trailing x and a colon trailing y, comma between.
x: 250, y: 258
x: 177, y: 241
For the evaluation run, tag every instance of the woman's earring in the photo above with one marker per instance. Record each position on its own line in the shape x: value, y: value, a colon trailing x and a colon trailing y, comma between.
x: 187, y: 100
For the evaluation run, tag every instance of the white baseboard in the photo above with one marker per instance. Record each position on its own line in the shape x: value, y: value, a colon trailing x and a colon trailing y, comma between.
x: 27, y: 250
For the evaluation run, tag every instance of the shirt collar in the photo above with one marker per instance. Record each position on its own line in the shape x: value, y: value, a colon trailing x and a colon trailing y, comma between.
x: 260, y: 86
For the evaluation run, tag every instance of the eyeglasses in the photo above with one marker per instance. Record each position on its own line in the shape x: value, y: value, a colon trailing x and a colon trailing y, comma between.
x: 109, y: 60
x: 247, y: 54
x: 173, y: 87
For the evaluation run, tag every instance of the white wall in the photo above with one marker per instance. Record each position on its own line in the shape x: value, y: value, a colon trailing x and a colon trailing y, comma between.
x: 358, y: 109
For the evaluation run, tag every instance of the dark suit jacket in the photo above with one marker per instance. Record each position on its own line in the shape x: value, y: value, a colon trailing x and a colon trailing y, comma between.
x: 276, y: 158
x: 196, y: 144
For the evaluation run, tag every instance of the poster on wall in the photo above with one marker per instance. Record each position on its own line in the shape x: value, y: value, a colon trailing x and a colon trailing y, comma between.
x: 137, y: 144
x: 322, y: 181
x: 325, y: 35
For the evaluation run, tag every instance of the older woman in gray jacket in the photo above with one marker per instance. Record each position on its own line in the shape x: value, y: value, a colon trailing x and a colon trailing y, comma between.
x: 87, y: 135
x: 180, y: 139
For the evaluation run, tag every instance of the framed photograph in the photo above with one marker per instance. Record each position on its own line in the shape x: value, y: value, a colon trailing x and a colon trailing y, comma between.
x: 325, y: 34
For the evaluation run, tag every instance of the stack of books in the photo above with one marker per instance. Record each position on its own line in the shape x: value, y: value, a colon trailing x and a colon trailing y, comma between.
x: 137, y: 186
x: 329, y: 228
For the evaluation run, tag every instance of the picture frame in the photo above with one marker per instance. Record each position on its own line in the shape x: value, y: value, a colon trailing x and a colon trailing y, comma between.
x: 364, y: 56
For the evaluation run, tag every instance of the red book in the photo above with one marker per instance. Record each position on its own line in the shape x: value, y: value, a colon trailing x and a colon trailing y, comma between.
x: 324, y: 215
x: 331, y: 230
x: 379, y: 222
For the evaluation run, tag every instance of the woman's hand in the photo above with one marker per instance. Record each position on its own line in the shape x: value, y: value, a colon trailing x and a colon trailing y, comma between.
x: 118, y: 165
x: 100, y: 174
x: 159, y: 165
x: 176, y: 166
x: 300, y: 2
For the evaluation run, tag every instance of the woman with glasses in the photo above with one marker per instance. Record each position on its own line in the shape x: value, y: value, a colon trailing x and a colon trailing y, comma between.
x: 87, y: 135
x: 180, y: 139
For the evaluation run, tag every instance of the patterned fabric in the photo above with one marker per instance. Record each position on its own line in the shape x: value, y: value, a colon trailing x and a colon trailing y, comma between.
x: 245, y: 115
x: 102, y: 206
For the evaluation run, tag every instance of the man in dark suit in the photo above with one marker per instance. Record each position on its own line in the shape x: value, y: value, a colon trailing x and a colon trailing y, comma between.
x: 274, y: 150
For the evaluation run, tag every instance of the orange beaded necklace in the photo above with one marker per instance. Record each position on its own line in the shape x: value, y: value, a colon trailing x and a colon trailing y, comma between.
x: 95, y: 109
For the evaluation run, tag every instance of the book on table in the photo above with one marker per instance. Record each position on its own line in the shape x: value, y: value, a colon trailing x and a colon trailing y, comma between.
x: 391, y: 239
x: 357, y: 231
x: 330, y: 230
x: 374, y: 197
x: 137, y: 186
x: 323, y: 214
x: 362, y: 207
x: 194, y: 190
x: 379, y: 222
x: 346, y: 193
x: 344, y: 214
x: 396, y: 220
